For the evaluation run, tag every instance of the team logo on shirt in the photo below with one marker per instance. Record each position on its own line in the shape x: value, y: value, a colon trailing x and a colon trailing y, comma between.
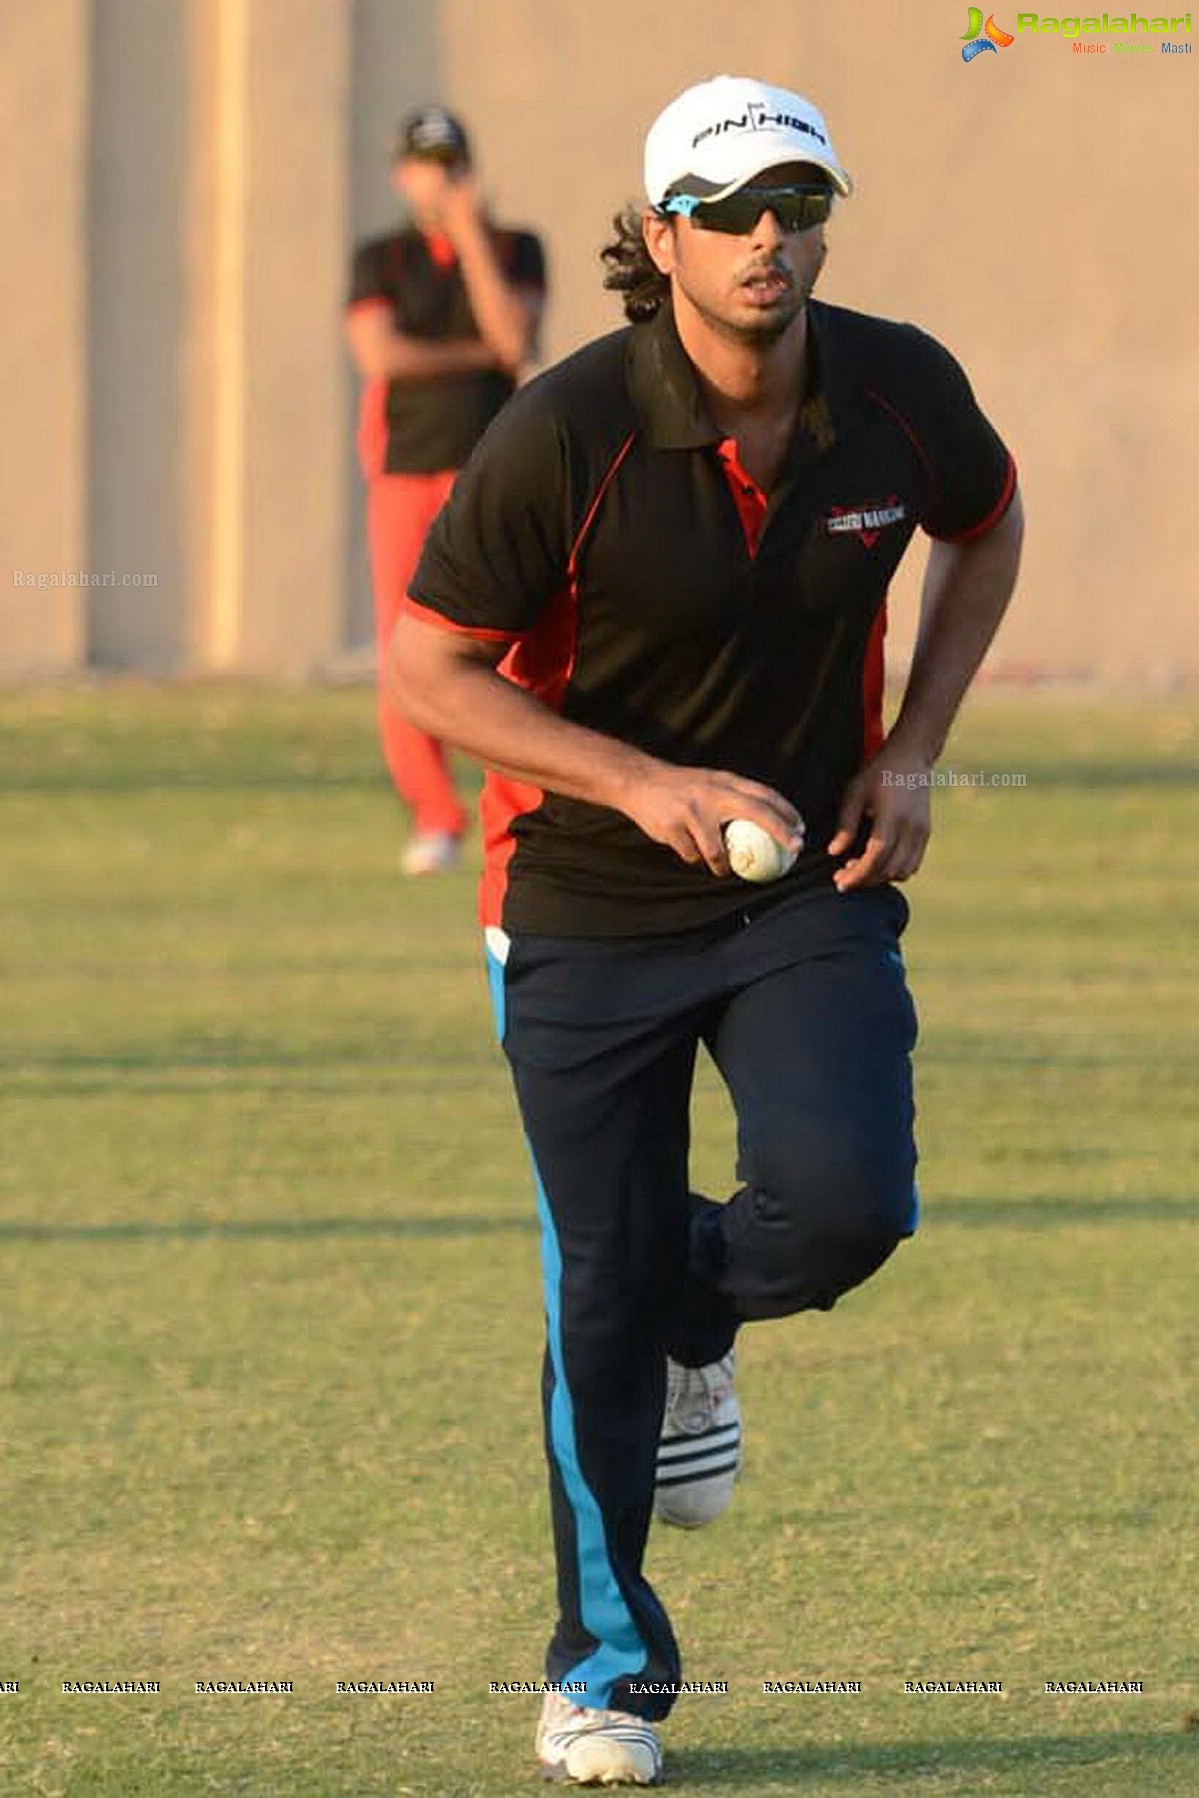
x: 866, y: 522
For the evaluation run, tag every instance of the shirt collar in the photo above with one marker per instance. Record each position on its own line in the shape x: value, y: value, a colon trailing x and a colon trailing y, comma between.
x: 669, y: 402
x: 828, y: 389
x: 664, y: 386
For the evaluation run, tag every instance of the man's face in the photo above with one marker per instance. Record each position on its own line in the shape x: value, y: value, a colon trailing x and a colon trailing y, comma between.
x: 422, y: 182
x: 750, y: 287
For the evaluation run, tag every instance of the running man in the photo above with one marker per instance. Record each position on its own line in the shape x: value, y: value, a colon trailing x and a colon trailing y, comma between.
x: 442, y: 316
x: 655, y: 602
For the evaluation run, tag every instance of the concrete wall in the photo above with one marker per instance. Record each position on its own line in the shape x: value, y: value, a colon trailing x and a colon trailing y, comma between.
x: 44, y: 109
x: 137, y: 332
x: 278, y: 323
x: 190, y: 175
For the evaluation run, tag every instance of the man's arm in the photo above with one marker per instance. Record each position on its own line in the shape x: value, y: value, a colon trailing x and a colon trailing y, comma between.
x: 445, y: 682
x: 507, y: 316
x: 379, y: 349
x: 967, y: 587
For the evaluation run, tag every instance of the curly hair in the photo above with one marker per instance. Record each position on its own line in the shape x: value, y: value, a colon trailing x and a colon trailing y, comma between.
x: 630, y: 270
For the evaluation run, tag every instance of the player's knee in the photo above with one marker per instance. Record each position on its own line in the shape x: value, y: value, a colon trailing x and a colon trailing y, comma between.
x: 846, y: 1253
x: 837, y: 1213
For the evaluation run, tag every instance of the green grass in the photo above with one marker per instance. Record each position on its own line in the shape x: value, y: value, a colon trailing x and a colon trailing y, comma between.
x: 269, y: 1341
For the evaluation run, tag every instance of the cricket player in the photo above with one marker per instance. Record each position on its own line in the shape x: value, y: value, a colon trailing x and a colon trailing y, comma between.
x: 442, y: 316
x: 655, y: 603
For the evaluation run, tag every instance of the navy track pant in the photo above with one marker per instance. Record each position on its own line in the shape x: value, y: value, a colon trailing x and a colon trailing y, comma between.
x: 805, y: 1010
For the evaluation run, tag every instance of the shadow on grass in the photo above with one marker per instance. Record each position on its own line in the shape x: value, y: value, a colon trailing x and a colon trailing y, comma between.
x: 137, y: 1230
x: 734, y: 1768
x: 1036, y: 1214
x: 1054, y: 1214
x: 1040, y: 1214
x: 1091, y: 775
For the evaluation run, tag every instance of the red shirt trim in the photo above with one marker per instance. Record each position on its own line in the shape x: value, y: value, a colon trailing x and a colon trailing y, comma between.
x: 541, y: 661
x: 576, y: 548
x: 748, y: 497
x: 874, y: 670
x: 428, y: 616
x: 994, y: 515
x: 909, y: 431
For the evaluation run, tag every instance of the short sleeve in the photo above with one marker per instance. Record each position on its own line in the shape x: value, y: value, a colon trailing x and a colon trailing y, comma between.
x: 528, y: 262
x: 497, y: 552
x: 368, y: 276
x: 972, y: 474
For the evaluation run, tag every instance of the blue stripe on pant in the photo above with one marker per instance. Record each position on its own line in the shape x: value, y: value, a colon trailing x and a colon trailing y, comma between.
x: 603, y: 1612
x: 806, y: 1013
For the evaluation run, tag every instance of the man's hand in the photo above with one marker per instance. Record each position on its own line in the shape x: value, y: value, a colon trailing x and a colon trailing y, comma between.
x: 684, y: 808
x: 899, y: 811
x: 461, y: 207
x: 507, y: 316
x: 446, y: 683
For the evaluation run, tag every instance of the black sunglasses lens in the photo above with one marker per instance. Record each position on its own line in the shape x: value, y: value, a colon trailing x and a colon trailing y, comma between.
x: 796, y: 209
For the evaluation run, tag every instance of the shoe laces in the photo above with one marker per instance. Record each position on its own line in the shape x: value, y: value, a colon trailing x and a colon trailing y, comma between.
x: 580, y: 1717
x: 697, y: 1393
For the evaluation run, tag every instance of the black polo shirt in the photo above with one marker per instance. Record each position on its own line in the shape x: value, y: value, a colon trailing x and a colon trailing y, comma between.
x: 421, y: 426
x: 649, y: 590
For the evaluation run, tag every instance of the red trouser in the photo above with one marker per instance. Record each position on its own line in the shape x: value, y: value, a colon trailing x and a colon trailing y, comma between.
x: 399, y: 510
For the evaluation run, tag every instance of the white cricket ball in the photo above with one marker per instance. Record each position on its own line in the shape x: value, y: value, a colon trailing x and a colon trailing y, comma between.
x: 753, y: 853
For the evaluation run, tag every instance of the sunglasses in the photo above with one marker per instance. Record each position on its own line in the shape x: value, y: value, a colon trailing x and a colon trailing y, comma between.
x: 795, y: 208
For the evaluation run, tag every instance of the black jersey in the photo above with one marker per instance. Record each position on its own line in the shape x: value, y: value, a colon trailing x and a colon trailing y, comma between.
x: 606, y: 531
x: 421, y: 426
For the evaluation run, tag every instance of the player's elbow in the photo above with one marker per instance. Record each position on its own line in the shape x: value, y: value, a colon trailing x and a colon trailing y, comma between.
x: 408, y: 692
x: 401, y: 687
x: 416, y: 673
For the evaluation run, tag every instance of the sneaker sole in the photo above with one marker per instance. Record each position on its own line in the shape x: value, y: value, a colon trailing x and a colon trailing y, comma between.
x: 559, y: 1772
x: 559, y: 1776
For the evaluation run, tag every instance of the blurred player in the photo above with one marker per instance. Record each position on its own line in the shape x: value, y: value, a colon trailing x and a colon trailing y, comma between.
x: 655, y: 603
x: 442, y: 315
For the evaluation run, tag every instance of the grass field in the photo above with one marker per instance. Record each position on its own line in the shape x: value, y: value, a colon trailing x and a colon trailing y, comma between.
x: 269, y: 1343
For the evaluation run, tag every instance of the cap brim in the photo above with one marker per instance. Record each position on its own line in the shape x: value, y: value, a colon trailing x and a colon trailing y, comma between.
x: 437, y: 153
x: 712, y: 190
x: 836, y: 175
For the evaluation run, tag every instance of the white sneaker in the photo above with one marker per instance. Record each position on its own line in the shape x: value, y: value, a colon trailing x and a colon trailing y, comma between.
x: 431, y: 852
x: 699, y: 1455
x: 596, y: 1748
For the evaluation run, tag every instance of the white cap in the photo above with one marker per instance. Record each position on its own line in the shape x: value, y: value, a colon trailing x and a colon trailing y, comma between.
x: 717, y: 136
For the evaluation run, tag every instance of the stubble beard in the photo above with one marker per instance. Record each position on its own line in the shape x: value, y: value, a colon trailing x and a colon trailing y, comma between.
x: 764, y: 333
